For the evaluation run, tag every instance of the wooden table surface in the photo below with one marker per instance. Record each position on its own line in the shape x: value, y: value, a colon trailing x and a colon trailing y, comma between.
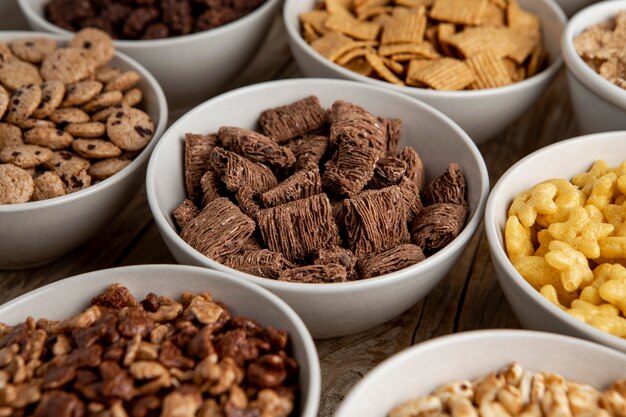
x: 469, y: 298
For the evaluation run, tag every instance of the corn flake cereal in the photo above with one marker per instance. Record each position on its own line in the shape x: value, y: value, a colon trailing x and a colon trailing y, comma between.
x: 568, y: 240
x: 603, y: 48
x: 470, y: 44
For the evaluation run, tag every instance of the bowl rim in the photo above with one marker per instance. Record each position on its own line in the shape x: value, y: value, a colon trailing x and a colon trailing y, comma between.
x: 266, y: 7
x: 499, y: 255
x: 459, y: 339
x: 162, y: 109
x: 296, y: 39
x: 575, y: 64
x: 310, y: 351
x: 464, y: 237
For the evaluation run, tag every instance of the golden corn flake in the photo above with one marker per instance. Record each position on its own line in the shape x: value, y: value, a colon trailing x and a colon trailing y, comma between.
x: 490, y: 70
x: 466, y: 12
x: 569, y: 242
x: 405, y: 26
x: 467, y: 44
x: 350, y: 26
x: 379, y: 67
x: 443, y: 74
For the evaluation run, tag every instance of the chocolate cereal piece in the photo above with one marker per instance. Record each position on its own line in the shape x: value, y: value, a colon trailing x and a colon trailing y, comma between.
x: 388, y: 171
x: 390, y: 261
x: 237, y: 171
x: 375, y: 221
x: 296, y: 119
x: 411, y: 197
x: 185, y: 212
x: 263, y: 262
x: 212, y: 187
x: 298, y: 229
x: 220, y: 229
x: 393, y: 128
x: 255, y: 146
x: 315, y: 274
x: 309, y: 149
x: 437, y: 225
x: 302, y: 184
x: 449, y: 187
x: 337, y: 255
x: 414, y: 166
x: 198, y: 150
x: 248, y: 201
x: 349, y: 122
x: 350, y: 169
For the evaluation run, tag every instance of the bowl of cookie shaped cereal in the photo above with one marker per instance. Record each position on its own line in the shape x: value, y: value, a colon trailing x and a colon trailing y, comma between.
x: 193, y: 48
x: 155, y: 340
x: 556, y: 227
x: 482, y: 63
x: 494, y: 373
x: 347, y: 197
x: 77, y: 126
x: 593, y: 48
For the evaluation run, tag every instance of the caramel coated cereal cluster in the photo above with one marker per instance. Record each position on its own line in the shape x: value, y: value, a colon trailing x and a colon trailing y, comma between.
x: 436, y: 44
x: 515, y: 392
x: 603, y: 48
x: 316, y: 196
x: 568, y: 240
x: 67, y: 120
x: 157, y: 357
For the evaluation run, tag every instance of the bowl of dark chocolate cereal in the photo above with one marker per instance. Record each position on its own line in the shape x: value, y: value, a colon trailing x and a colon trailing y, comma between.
x: 348, y: 201
x: 76, y: 130
x: 155, y: 340
x: 193, y: 47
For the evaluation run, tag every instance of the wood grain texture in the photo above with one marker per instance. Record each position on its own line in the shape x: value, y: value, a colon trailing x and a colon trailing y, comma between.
x: 469, y: 298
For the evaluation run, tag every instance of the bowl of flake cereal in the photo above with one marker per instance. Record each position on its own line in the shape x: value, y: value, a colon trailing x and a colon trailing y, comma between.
x: 593, y: 48
x: 556, y: 225
x: 335, y: 195
x: 480, y: 62
x: 494, y: 373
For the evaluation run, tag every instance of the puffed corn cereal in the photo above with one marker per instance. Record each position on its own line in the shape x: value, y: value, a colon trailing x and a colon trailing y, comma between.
x: 568, y: 240
x: 515, y: 392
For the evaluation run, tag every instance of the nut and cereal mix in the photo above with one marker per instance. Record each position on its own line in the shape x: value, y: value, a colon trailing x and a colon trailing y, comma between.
x: 436, y: 44
x: 147, y: 19
x: 603, y: 48
x: 156, y: 357
x: 568, y: 240
x: 67, y: 120
x: 316, y: 196
x: 514, y: 391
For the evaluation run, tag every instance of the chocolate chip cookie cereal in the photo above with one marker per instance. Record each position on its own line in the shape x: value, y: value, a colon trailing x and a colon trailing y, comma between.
x: 318, y: 195
x: 67, y: 119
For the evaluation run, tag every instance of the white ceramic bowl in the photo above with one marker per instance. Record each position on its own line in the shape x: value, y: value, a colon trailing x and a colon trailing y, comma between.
x: 190, y: 68
x: 600, y: 106
x: 67, y: 297
x: 572, y: 6
x: 422, y: 368
x: 35, y: 233
x: 328, y: 309
x: 481, y: 113
x: 561, y: 160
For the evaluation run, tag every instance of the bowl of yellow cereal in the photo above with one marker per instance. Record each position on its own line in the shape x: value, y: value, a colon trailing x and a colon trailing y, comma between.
x: 481, y: 63
x: 593, y: 49
x: 556, y: 226
x: 493, y: 373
